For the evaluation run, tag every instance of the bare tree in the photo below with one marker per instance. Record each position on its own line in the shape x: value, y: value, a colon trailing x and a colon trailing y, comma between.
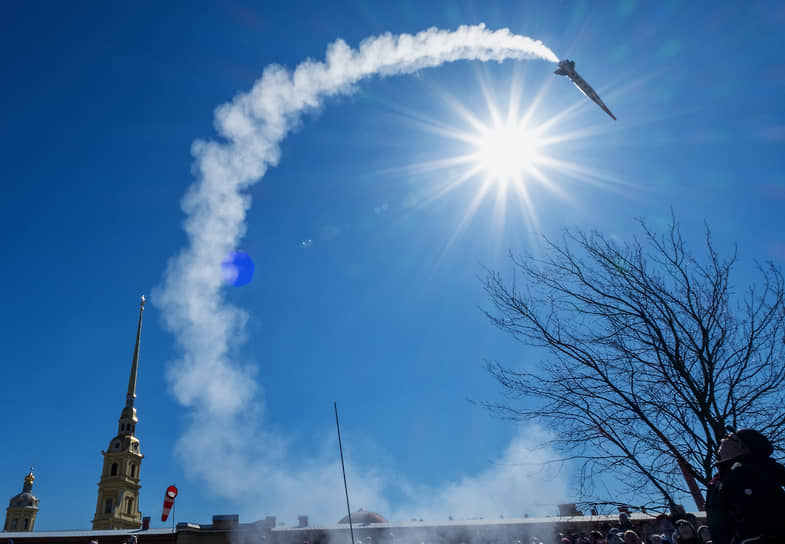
x: 651, y: 356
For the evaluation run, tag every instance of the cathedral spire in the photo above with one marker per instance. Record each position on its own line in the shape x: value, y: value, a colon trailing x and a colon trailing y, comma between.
x: 127, y: 423
x: 118, y: 490
x: 129, y: 400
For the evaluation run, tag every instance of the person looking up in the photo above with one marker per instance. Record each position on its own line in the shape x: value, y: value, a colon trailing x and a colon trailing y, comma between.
x: 745, y: 499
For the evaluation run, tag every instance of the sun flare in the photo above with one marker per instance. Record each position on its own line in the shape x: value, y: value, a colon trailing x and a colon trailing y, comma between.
x: 507, y: 151
x: 509, y: 156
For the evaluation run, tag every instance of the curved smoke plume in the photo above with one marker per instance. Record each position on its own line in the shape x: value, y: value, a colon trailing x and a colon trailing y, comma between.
x: 221, y: 393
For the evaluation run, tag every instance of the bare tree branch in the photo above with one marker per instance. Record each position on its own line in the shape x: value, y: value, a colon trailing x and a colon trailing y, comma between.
x: 651, y: 355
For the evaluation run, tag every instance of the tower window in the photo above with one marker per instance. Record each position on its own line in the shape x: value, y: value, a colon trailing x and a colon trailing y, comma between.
x: 27, y: 524
x: 129, y: 504
x: 114, y: 469
x: 108, y: 506
x: 14, y: 524
x: 133, y: 470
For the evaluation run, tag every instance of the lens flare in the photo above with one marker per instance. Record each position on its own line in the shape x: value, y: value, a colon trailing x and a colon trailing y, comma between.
x: 237, y: 268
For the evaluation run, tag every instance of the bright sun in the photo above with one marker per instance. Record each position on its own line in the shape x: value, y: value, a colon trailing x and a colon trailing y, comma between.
x: 507, y: 155
x: 506, y: 151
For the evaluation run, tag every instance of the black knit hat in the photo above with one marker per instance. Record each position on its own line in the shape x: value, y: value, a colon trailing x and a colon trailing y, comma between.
x: 756, y: 442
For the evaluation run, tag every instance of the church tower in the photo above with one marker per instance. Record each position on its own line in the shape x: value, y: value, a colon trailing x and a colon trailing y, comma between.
x: 22, y: 509
x: 118, y: 490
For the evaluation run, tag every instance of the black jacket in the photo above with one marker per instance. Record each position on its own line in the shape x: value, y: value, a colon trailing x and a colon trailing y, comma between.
x: 746, y: 500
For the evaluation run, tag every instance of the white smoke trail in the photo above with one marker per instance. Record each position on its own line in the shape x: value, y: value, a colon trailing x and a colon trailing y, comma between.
x: 217, y: 390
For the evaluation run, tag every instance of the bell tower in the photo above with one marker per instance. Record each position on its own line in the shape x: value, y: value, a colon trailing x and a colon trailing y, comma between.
x: 22, y: 509
x: 118, y: 489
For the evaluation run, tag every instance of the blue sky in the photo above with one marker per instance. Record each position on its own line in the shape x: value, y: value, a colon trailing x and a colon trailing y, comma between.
x: 381, y: 310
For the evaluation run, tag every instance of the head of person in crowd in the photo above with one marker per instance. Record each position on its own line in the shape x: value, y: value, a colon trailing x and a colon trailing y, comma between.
x: 614, y: 537
x: 677, y: 512
x: 685, y: 532
x: 631, y: 537
x: 703, y: 534
x: 655, y: 539
x: 646, y: 530
x: 596, y: 537
x: 744, y: 442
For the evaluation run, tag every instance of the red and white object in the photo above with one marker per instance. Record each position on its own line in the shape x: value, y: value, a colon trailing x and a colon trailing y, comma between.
x: 171, y: 493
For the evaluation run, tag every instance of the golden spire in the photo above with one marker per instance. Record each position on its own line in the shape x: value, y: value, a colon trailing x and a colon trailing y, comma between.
x: 135, y: 365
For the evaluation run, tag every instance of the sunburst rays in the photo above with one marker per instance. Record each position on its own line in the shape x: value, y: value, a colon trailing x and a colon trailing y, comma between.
x: 505, y: 152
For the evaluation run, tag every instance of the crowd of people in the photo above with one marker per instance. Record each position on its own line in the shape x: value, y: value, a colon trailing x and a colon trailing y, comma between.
x: 745, y: 503
x: 678, y: 528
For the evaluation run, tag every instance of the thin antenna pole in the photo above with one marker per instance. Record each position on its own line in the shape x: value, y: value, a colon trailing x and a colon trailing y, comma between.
x: 345, y: 489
